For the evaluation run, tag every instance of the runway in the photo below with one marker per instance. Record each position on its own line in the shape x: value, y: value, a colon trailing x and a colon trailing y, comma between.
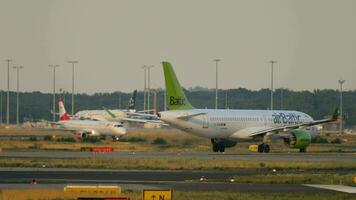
x: 138, y: 180
x: 185, y: 180
x: 179, y: 186
x: 312, y: 157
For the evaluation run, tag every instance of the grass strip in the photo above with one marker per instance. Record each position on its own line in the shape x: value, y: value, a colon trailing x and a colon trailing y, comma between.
x: 169, y: 164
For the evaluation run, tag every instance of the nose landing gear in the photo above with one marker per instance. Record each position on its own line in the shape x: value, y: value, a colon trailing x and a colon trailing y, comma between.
x: 115, y: 138
x: 263, y: 148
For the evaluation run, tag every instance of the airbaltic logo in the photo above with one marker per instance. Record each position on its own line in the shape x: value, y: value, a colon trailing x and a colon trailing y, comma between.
x: 176, y: 101
x: 286, y: 118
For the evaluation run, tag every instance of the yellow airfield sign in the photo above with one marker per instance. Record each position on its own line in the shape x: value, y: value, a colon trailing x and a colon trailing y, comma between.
x: 93, y: 191
x: 161, y: 194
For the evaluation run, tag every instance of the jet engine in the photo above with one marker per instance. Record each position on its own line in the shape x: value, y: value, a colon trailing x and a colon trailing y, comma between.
x: 219, y: 144
x: 80, y: 136
x: 298, y: 139
x: 86, y: 134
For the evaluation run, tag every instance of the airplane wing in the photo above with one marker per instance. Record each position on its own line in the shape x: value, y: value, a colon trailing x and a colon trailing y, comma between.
x: 135, y: 119
x: 145, y: 111
x: 144, y: 121
x: 142, y: 115
x: 189, y: 115
x: 296, y: 126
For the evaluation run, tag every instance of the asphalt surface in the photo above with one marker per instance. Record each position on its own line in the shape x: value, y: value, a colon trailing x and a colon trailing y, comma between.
x: 177, y: 180
x: 138, y: 180
x: 313, y: 157
x: 179, y: 186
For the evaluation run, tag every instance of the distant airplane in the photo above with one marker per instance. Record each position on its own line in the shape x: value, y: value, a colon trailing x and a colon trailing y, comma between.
x: 225, y: 127
x: 89, y: 128
x: 119, y: 115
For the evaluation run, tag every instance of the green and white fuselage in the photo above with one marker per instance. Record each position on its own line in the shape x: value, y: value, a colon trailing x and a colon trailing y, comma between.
x: 233, y: 124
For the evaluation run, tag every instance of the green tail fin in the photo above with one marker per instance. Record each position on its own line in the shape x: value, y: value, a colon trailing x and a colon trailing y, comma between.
x: 176, y: 98
x: 109, y: 112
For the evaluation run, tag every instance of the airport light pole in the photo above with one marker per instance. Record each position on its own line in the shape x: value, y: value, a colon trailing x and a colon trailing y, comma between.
x: 8, y: 92
x: 1, y: 119
x: 281, y: 98
x: 17, y: 93
x: 272, y: 62
x: 73, y: 62
x: 119, y: 101
x: 341, y: 82
x: 1, y: 106
x: 54, y: 91
x: 149, y: 86
x: 226, y: 100
x: 216, y: 82
x: 144, y: 86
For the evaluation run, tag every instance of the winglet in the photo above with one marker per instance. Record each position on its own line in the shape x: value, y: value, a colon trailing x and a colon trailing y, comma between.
x: 336, y: 114
x: 109, y: 112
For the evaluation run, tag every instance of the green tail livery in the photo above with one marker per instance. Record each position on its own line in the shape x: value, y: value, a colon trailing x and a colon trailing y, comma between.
x: 176, y: 98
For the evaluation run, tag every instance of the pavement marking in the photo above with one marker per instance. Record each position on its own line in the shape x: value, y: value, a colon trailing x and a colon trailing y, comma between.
x: 339, y: 188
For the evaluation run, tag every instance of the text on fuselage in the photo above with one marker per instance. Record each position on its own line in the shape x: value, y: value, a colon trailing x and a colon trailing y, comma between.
x: 176, y: 101
x: 286, y: 118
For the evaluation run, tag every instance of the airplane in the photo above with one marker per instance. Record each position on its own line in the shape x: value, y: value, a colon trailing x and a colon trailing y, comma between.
x: 226, y: 127
x: 119, y: 115
x: 89, y: 128
x: 148, y: 118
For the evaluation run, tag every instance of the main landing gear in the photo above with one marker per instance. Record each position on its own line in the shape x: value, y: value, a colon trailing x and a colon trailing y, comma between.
x: 218, y: 145
x: 263, y: 148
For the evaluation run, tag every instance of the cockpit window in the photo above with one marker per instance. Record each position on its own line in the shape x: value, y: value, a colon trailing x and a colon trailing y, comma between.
x: 118, y: 125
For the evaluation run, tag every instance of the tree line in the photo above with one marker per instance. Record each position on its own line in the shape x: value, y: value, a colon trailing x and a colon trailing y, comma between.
x: 317, y: 103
